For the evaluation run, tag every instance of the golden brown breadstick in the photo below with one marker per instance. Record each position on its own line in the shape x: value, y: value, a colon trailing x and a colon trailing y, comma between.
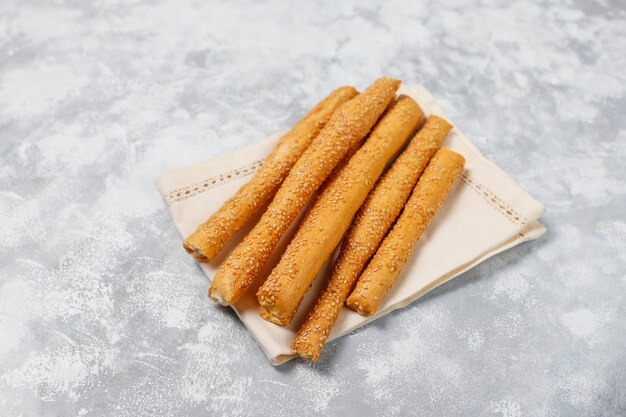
x: 331, y: 214
x: 210, y: 236
x: 375, y: 217
x: 349, y: 124
x: 335, y: 172
x: 430, y: 191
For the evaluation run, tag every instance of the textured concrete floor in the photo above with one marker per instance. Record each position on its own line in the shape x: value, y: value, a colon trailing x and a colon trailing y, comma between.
x: 101, y: 313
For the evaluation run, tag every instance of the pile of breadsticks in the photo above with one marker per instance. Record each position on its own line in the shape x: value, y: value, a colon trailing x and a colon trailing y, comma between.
x: 337, y: 153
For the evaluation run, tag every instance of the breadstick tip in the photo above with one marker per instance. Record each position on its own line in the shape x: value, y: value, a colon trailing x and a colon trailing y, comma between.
x: 195, y: 252
x: 385, y: 84
x: 435, y: 118
x: 363, y: 309
x: 446, y: 152
x: 265, y: 315
x: 215, y: 296
x: 347, y: 90
x: 304, y: 353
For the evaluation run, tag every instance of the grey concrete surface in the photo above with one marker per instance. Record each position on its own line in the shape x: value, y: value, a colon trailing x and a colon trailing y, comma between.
x: 102, y: 313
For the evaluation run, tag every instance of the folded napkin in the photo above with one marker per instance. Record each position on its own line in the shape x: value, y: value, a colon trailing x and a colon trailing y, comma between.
x: 486, y: 213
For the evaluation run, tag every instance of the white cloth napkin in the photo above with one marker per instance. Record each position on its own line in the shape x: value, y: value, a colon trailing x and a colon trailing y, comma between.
x: 486, y: 213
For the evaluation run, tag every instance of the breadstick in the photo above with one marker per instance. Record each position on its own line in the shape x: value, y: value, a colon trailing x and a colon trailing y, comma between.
x: 348, y: 125
x: 331, y: 214
x: 375, y: 217
x: 264, y: 314
x: 429, y: 193
x: 210, y: 236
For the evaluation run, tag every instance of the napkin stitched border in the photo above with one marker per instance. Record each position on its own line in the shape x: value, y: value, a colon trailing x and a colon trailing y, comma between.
x: 183, y: 193
x: 188, y: 191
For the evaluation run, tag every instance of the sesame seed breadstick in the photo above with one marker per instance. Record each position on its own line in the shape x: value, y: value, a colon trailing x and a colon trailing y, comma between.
x: 375, y: 217
x: 210, y: 236
x: 264, y: 314
x: 341, y: 165
x: 429, y: 193
x: 348, y: 125
x: 333, y: 210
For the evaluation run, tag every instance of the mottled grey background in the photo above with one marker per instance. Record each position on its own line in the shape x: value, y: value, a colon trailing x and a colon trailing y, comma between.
x: 102, y: 313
